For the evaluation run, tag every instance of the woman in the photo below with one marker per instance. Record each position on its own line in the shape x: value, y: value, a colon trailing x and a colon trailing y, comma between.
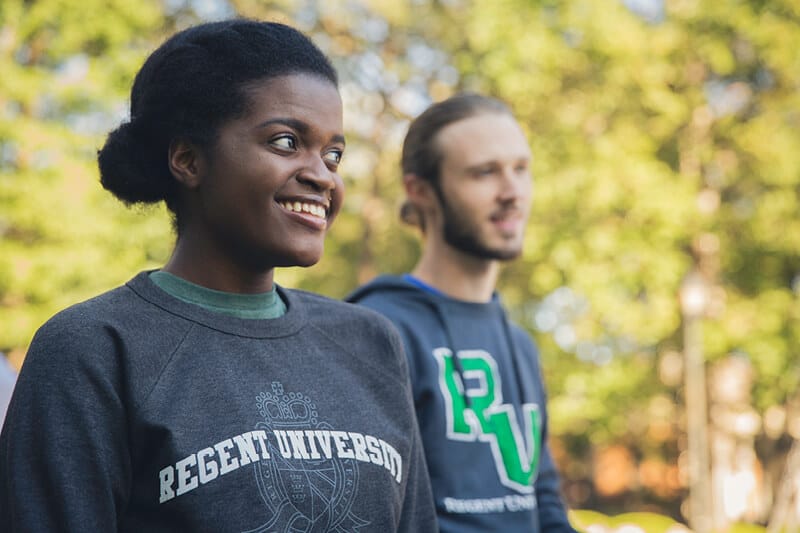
x: 202, y: 397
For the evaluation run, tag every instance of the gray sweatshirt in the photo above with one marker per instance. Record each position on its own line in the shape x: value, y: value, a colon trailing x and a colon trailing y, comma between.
x: 135, y: 411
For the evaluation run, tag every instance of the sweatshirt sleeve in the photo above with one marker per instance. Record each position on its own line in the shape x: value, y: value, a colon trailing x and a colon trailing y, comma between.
x: 64, y: 460
x: 418, y: 514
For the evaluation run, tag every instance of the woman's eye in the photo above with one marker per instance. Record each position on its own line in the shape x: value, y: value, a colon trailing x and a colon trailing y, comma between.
x: 285, y: 141
x: 333, y: 156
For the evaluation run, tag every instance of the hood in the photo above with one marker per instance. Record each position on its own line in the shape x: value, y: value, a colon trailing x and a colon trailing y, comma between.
x: 386, y: 283
x: 413, y: 289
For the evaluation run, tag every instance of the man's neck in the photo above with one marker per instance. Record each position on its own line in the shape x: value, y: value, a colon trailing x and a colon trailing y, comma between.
x: 456, y: 274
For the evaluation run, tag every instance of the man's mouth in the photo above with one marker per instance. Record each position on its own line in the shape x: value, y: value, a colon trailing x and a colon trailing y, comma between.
x: 314, y: 209
x: 508, y: 221
x: 506, y: 216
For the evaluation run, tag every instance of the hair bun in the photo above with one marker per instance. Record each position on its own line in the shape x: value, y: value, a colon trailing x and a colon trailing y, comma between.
x: 131, y: 168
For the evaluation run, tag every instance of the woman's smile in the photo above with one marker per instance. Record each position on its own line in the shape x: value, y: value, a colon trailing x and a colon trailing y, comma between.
x: 312, y: 213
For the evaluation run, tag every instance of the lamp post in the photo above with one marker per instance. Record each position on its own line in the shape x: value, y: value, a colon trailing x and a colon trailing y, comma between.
x: 693, y: 300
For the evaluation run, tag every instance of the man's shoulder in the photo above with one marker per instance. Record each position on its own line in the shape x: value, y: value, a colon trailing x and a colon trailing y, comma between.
x: 333, y: 312
x: 379, y: 288
x: 523, y: 338
x: 392, y: 296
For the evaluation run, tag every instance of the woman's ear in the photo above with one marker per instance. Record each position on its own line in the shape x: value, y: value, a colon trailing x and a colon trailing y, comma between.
x: 184, y: 163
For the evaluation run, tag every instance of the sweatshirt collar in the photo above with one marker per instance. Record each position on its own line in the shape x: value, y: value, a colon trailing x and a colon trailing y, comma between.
x: 286, y: 325
x: 253, y: 306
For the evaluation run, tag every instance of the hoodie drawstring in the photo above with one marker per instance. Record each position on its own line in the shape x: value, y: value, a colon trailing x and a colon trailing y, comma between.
x: 459, y: 368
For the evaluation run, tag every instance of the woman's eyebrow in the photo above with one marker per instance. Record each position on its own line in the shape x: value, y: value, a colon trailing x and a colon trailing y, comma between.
x: 293, y: 123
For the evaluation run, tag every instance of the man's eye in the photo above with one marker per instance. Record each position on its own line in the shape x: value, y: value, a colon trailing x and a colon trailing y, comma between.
x: 285, y: 141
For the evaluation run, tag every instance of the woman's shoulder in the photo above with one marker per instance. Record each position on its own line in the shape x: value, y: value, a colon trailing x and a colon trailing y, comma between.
x: 93, y: 312
x: 82, y: 332
x: 336, y: 315
x: 116, y: 333
x: 358, y: 330
x: 102, y: 320
x: 319, y: 303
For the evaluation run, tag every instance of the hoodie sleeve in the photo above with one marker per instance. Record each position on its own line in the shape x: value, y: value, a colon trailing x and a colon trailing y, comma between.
x: 63, y: 452
x: 552, y: 513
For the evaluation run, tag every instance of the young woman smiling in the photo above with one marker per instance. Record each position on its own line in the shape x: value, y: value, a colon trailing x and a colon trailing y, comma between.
x: 202, y: 396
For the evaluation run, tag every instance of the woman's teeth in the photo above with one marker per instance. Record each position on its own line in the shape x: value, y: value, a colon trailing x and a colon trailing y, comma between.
x: 303, y: 207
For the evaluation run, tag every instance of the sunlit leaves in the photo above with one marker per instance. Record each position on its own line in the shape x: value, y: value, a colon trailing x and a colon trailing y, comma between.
x: 654, y: 130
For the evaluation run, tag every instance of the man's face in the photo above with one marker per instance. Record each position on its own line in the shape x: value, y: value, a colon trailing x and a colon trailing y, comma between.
x: 484, y: 186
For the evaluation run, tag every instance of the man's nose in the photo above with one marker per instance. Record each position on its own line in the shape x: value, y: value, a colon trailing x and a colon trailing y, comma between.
x: 514, y: 184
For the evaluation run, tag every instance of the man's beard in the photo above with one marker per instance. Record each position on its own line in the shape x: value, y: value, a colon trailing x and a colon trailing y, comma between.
x: 463, y: 234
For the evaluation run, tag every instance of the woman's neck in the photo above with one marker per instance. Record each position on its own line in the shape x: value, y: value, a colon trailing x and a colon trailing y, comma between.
x: 205, y: 268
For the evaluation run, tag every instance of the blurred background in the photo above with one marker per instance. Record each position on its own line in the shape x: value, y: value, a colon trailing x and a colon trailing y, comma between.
x: 661, y: 275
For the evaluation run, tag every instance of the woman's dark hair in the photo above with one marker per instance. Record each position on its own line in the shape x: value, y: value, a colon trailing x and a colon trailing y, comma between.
x: 191, y: 85
x: 421, y: 153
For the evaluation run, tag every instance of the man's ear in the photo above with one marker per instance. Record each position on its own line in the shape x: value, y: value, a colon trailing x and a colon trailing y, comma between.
x: 185, y: 162
x: 419, y: 191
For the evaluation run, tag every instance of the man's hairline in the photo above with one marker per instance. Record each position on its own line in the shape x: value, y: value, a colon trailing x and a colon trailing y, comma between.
x: 436, y: 139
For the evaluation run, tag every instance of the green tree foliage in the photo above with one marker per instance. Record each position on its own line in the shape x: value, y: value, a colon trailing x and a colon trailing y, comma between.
x: 67, y: 67
x: 666, y: 140
x: 666, y: 137
x: 661, y: 144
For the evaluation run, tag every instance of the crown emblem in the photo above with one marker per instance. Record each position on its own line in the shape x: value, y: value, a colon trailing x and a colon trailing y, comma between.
x: 286, y: 410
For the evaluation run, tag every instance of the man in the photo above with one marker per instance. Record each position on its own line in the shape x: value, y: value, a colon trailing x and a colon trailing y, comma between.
x: 476, y: 379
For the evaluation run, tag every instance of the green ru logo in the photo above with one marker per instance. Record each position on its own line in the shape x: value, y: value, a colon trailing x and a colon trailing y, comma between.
x: 488, y: 419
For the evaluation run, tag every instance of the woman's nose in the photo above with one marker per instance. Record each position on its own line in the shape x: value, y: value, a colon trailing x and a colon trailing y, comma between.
x: 317, y: 174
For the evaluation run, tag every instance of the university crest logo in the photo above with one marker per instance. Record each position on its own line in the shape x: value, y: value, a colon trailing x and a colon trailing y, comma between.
x: 307, y: 493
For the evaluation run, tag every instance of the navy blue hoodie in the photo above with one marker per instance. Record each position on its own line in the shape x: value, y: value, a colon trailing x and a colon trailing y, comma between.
x: 481, y: 408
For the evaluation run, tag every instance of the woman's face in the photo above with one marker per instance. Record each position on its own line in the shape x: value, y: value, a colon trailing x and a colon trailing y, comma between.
x: 268, y: 190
